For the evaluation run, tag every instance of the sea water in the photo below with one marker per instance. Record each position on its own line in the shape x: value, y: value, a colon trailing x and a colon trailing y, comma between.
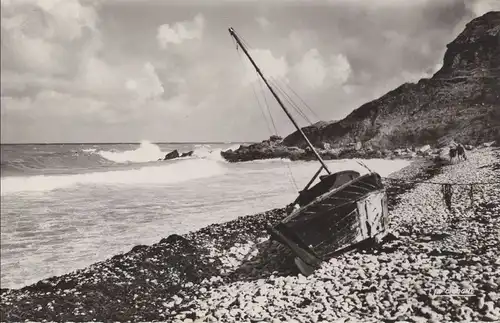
x: 64, y: 207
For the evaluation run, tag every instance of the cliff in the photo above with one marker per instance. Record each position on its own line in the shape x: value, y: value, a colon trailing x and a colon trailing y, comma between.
x: 461, y: 101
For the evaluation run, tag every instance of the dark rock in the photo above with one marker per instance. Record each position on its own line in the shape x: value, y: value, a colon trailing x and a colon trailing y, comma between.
x: 267, y: 150
x: 138, y: 248
x: 188, y: 154
x: 172, y: 155
x: 173, y: 238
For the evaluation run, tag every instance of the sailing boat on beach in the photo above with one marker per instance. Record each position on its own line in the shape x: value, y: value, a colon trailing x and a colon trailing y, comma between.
x: 341, y: 211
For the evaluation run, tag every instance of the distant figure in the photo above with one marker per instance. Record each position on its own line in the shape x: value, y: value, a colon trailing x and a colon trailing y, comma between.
x: 461, y: 152
x: 453, y: 153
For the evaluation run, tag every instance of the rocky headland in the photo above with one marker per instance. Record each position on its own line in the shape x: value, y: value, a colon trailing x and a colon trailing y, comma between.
x: 460, y: 102
x: 274, y: 147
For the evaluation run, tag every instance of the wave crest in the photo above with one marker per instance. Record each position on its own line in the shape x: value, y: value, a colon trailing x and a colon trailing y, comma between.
x: 167, y: 173
x: 146, y: 152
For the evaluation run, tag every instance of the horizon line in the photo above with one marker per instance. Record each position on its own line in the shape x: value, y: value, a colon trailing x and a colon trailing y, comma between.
x: 124, y: 143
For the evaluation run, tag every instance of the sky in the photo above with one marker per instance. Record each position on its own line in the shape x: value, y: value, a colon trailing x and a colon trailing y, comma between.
x: 168, y: 70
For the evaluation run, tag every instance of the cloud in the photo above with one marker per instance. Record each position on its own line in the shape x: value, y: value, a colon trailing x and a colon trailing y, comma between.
x: 480, y: 7
x: 57, y: 44
x: 37, y: 34
x: 60, y: 19
x: 180, y: 31
x: 125, y: 70
x: 47, y: 104
x: 314, y: 72
x: 147, y: 85
x: 120, y: 83
x: 339, y: 69
x: 9, y: 103
x: 263, y: 22
x: 271, y: 66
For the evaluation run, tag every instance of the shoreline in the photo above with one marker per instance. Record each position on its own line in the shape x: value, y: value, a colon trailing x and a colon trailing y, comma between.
x: 159, y: 281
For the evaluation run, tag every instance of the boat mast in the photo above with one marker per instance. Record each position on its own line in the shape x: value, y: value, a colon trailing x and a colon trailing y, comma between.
x: 233, y: 34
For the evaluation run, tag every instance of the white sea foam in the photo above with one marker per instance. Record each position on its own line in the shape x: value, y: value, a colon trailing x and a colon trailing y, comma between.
x: 166, y: 173
x: 206, y: 152
x: 146, y: 152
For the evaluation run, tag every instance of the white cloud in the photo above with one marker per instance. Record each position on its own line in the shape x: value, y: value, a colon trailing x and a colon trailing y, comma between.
x: 270, y: 66
x: 146, y: 85
x: 40, y: 35
x: 314, y: 72
x: 33, y: 53
x: 56, y: 19
x: 46, y: 46
x: 263, y: 22
x: 339, y: 69
x: 97, y: 77
x: 180, y: 31
x: 311, y: 70
x: 120, y: 83
x: 14, y: 104
x: 68, y: 18
x: 300, y: 39
x: 103, y: 68
x: 480, y: 7
x: 49, y: 104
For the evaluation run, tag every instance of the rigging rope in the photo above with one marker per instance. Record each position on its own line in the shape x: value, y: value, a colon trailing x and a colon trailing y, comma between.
x: 447, y: 188
x: 303, y: 102
x: 288, y: 98
x: 290, y: 173
x: 438, y: 183
x: 290, y: 101
x: 267, y: 105
x: 259, y: 81
x: 254, y: 92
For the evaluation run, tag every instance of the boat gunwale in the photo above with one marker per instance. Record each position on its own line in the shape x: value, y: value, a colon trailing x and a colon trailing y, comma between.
x: 329, y: 193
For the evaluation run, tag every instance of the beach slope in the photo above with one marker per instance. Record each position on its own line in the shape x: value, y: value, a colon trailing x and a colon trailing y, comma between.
x: 230, y: 272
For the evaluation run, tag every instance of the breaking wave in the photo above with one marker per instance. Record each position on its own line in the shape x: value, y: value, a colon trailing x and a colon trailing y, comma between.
x: 148, y: 152
x: 145, y: 153
x: 167, y: 173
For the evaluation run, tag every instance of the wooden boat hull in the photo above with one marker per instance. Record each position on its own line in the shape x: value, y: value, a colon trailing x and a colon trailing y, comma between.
x: 342, y: 217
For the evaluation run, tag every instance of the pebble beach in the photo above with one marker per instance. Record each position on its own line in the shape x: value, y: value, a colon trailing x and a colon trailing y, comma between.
x: 443, y: 266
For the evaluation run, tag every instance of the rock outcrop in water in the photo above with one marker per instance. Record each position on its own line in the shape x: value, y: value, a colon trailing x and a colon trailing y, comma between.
x: 175, y: 154
x: 461, y: 101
